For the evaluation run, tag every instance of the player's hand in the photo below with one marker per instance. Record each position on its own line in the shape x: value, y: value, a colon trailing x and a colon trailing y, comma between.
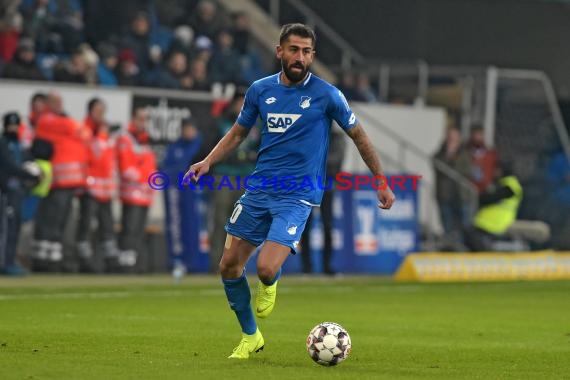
x: 196, y: 171
x: 386, y: 198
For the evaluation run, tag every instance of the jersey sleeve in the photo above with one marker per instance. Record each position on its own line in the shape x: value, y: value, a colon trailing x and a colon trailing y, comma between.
x: 250, y: 110
x: 339, y: 110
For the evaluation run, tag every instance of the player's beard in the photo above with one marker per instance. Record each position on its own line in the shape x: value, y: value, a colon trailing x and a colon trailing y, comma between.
x: 293, y: 76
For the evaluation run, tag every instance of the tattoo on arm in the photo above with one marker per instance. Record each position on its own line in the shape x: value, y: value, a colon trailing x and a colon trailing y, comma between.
x: 367, y: 151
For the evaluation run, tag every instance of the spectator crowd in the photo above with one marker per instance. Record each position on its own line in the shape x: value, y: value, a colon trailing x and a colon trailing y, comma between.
x: 174, y: 44
x: 187, y: 45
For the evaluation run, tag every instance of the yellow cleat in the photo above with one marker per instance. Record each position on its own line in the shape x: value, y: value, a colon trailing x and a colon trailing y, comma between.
x: 265, y: 299
x: 247, y: 345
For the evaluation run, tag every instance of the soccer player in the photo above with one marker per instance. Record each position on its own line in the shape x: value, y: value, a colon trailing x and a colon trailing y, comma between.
x: 296, y: 108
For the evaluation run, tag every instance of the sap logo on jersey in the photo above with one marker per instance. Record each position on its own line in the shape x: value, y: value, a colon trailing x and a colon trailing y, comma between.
x: 280, y: 122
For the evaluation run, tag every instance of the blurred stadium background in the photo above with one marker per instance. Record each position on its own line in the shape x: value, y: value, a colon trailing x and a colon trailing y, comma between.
x: 411, y: 70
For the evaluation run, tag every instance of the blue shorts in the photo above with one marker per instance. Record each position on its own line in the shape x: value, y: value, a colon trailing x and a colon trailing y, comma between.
x: 280, y: 221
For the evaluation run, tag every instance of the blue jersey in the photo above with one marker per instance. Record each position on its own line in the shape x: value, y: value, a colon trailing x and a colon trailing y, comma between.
x: 296, y: 122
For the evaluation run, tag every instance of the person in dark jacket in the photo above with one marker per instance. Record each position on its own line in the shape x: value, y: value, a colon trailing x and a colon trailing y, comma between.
x: 179, y: 155
x: 451, y: 197
x: 15, y: 177
x: 182, y: 151
x: 170, y: 75
x: 72, y: 70
x: 138, y: 40
x: 225, y: 65
x: 127, y: 71
x: 24, y: 64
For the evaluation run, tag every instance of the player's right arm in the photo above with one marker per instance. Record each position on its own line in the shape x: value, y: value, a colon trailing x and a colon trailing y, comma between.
x: 362, y: 142
x: 226, y: 145
x: 245, y: 120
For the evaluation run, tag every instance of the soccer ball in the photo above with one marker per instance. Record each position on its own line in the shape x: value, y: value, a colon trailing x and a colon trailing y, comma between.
x: 328, y: 344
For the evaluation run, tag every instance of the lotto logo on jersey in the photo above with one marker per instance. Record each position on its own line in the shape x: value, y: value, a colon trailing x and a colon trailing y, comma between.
x: 280, y: 122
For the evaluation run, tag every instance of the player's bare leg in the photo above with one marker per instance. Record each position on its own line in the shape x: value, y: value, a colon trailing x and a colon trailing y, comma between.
x: 269, y: 262
x: 232, y: 264
x: 236, y: 253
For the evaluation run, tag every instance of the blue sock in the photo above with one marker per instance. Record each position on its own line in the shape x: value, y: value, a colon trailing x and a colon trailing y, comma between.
x: 277, y: 275
x: 239, y: 298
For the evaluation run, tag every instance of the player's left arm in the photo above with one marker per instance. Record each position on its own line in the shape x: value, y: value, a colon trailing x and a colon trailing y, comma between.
x: 362, y: 142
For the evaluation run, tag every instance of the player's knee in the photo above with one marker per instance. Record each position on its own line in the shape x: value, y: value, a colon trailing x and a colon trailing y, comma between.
x: 226, y: 270
x: 266, y: 273
x: 229, y: 269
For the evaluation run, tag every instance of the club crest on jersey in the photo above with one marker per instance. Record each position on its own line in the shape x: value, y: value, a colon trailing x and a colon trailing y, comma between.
x: 305, y: 102
x: 280, y: 122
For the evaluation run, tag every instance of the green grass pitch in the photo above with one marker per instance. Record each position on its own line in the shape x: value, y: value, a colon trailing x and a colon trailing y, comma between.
x: 149, y: 328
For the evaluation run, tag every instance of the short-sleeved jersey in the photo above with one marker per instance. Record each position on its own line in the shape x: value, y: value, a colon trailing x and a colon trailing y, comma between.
x: 296, y: 122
